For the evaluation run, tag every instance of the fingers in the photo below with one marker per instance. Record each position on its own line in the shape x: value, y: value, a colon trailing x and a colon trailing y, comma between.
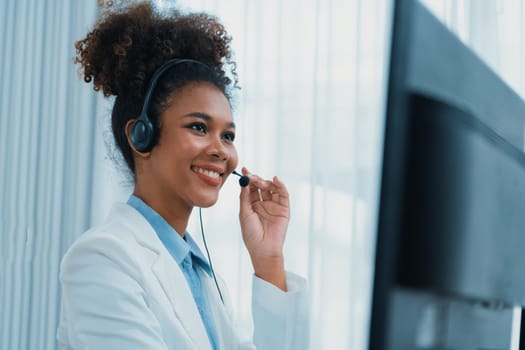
x: 265, y: 190
x: 283, y: 196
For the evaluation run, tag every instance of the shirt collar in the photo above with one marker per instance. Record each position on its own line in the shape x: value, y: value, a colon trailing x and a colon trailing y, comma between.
x: 178, y: 247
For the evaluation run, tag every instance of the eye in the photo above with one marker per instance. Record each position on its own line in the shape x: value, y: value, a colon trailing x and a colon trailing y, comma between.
x: 199, y: 127
x: 229, y: 136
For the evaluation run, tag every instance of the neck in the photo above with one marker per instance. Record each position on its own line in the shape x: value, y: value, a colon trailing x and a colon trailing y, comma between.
x: 175, y: 214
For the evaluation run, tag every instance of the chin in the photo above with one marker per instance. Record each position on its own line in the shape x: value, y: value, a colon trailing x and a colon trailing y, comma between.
x: 206, y: 202
x: 207, y: 205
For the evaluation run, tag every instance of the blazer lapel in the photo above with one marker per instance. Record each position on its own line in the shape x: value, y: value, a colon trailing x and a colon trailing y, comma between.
x: 169, y: 275
x: 222, y: 323
x: 175, y: 286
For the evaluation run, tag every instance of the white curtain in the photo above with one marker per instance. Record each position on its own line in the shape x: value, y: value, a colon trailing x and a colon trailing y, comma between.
x: 46, y: 161
x: 311, y: 110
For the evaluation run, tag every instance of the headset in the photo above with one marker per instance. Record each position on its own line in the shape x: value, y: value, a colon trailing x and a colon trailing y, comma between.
x: 143, y: 132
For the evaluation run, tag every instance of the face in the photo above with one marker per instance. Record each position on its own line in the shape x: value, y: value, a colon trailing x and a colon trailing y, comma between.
x: 195, y: 153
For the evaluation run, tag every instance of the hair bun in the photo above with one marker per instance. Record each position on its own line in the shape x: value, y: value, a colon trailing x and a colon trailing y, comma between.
x: 131, y: 40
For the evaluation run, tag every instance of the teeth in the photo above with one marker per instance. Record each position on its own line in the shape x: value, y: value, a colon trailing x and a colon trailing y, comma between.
x: 210, y: 173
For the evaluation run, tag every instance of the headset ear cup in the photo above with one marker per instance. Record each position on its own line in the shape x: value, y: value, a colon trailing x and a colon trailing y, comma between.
x: 142, y: 135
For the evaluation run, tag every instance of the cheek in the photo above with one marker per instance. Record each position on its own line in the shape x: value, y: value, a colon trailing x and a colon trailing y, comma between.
x: 175, y: 151
x: 182, y: 145
x: 234, y: 158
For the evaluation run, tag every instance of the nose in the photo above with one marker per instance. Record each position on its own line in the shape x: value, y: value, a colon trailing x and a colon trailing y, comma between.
x: 217, y: 149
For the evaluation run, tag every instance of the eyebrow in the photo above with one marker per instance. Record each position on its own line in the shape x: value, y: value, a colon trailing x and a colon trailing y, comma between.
x: 205, y: 117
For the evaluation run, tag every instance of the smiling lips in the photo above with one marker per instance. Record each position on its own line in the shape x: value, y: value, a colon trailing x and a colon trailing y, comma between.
x: 211, y: 177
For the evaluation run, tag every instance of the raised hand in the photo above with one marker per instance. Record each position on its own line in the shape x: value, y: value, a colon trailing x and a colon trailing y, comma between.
x: 264, y: 216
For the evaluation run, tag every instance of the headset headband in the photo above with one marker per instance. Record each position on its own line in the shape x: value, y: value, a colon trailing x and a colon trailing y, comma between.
x: 158, y: 73
x: 143, y: 132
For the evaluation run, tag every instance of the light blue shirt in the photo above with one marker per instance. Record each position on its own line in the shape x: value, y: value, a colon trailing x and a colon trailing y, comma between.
x: 189, y: 257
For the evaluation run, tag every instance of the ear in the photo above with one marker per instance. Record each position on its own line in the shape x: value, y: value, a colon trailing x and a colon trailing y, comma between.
x: 127, y: 130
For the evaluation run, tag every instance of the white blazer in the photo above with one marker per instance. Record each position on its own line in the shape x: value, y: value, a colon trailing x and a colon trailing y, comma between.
x: 121, y: 289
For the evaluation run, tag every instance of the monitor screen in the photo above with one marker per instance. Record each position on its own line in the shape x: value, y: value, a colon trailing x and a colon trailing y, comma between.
x: 451, y: 229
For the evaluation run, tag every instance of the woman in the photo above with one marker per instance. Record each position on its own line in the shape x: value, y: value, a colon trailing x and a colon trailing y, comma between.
x: 139, y: 281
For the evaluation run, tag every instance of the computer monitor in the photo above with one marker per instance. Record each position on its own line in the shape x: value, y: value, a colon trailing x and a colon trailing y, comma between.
x: 450, y: 254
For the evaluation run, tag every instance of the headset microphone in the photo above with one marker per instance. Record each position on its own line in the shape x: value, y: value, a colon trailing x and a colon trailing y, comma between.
x: 244, y: 180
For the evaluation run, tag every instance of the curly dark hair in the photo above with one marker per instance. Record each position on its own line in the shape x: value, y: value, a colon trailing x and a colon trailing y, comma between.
x: 126, y: 47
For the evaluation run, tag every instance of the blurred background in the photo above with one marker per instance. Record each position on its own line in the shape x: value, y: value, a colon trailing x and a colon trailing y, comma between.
x: 311, y: 110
